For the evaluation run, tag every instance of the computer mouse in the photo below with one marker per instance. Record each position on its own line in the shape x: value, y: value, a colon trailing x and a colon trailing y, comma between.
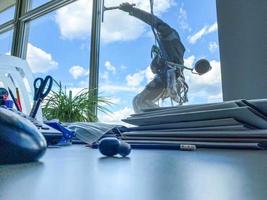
x: 20, y: 140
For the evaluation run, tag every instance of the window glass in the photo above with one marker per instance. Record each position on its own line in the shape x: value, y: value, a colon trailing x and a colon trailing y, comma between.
x: 126, y: 52
x: 61, y: 49
x: 7, y: 10
x: 6, y: 42
x: 36, y: 3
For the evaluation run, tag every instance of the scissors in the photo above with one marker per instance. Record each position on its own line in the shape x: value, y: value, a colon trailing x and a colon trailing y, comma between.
x: 42, y: 87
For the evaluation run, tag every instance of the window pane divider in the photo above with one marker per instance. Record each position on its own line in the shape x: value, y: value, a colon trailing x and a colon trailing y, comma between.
x: 44, y: 9
x: 7, y: 26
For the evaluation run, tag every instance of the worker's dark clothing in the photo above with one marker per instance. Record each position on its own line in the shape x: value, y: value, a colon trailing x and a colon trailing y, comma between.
x: 169, y: 38
x: 172, y: 50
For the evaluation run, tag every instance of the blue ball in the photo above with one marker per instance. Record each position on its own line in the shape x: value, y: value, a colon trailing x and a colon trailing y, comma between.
x: 109, y: 146
x: 124, y: 149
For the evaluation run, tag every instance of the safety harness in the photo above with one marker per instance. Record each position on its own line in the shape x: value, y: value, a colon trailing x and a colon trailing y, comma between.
x: 177, y: 88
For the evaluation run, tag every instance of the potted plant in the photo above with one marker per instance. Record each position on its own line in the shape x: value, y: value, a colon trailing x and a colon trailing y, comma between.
x: 63, y: 105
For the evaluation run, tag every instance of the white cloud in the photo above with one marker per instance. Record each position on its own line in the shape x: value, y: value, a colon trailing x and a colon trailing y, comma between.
x: 74, y: 20
x: 202, y: 32
x: 110, y: 67
x: 210, y: 78
x: 119, y: 26
x: 135, y: 79
x: 39, y: 60
x: 188, y: 62
x: 213, y: 77
x: 77, y: 71
x: 134, y: 83
x: 116, y: 116
x: 212, y: 28
x: 207, y: 86
x: 213, y: 46
x: 194, y: 38
x: 148, y: 74
x: 216, y: 97
x: 113, y: 88
x: 182, y: 19
x: 114, y: 100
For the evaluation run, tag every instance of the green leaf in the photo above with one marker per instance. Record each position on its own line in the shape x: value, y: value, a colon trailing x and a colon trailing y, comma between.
x: 68, y: 108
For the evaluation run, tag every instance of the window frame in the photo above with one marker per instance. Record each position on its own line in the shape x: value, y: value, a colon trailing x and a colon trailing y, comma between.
x: 24, y: 15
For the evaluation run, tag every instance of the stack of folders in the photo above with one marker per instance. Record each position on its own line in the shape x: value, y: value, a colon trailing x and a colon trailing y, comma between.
x: 238, y: 124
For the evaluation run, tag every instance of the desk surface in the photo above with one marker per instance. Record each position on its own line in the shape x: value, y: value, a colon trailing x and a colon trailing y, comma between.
x: 77, y: 172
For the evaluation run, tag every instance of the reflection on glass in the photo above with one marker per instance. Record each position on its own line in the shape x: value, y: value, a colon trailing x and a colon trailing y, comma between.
x: 7, y: 10
x: 6, y: 42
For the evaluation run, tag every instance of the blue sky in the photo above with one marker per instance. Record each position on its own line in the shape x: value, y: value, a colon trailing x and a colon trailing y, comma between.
x: 59, y: 45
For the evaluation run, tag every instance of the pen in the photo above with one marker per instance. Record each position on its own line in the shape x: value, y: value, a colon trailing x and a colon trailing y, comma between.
x: 13, y: 98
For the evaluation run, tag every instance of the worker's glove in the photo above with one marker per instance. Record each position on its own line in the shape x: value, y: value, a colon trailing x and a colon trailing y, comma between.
x: 126, y: 7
